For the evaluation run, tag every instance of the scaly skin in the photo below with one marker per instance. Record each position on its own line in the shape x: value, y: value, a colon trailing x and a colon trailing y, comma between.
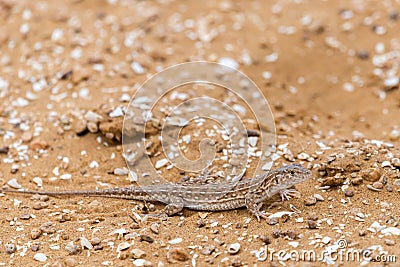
x: 250, y: 193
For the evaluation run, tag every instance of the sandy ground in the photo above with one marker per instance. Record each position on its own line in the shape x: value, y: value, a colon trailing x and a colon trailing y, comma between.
x: 329, y: 70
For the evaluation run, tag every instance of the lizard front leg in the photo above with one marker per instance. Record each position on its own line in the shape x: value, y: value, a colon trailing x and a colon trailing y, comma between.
x: 254, y: 206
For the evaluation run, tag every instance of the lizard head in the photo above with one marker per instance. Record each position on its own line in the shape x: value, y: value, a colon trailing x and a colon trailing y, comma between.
x: 288, y: 176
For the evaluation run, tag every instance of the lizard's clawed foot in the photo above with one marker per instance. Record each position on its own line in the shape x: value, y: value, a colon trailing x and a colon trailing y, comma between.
x: 289, y: 193
x: 261, y: 214
x: 255, y: 207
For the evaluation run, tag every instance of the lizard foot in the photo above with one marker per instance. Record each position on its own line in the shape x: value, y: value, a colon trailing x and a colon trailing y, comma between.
x: 175, y: 206
x: 255, y: 207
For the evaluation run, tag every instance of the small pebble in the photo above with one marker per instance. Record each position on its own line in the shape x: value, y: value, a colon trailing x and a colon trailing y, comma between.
x: 313, y: 217
x: 348, y: 193
x: 26, y: 137
x: 72, y: 249
x: 370, y: 187
x: 70, y: 261
x: 123, y: 255
x: 177, y: 254
x: 10, y: 248
x: 155, y: 228
x: 97, y: 247
x: 14, y: 184
x: 363, y: 55
x: 85, y: 243
x: 92, y: 127
x: 81, y: 128
x: 175, y: 241
x: 272, y: 221
x: 396, y: 182
x: 394, y: 135
x: 121, y: 171
x: 389, y: 188
x: 56, y: 264
x: 276, y: 233
x: 40, y: 257
x: 38, y: 205
x: 390, y: 242
x: 357, y: 181
x: 48, y: 228
x: 93, y: 117
x: 146, y: 238
x: 319, y: 197
x: 371, y: 174
x: 38, y: 144
x: 138, y: 253
x: 36, y: 233
x: 201, y: 223
x: 312, y: 224
x: 25, y: 216
x: 362, y: 232
x: 142, y: 262
x: 377, y: 185
x: 95, y: 241
x: 234, y: 248
x: 309, y: 201
x: 123, y: 246
x: 4, y: 150
x: 208, y: 249
x: 265, y: 239
x: 161, y: 163
x: 35, y: 247
x: 44, y: 198
x: 152, y: 207
x: 291, y: 234
x: 396, y: 162
x: 95, y: 206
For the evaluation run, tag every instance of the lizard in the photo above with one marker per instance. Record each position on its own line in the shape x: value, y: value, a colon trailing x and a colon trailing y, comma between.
x: 249, y: 193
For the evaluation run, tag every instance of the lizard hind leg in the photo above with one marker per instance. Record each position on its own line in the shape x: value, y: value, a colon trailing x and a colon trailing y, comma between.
x: 176, y: 205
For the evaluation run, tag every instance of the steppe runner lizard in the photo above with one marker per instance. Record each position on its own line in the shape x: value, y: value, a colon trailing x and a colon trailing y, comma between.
x: 249, y: 193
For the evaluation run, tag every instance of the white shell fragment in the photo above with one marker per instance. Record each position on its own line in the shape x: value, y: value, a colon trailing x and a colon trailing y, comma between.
x: 40, y: 257
x: 391, y: 230
x: 175, y: 241
x: 233, y: 248
x: 93, y: 117
x: 279, y: 214
x: 161, y: 163
x: 85, y: 243
x: 14, y: 183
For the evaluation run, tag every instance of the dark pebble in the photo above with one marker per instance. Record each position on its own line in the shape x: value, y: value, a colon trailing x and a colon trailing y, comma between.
x: 4, y: 150
x: 35, y: 247
x: 291, y: 234
x: 272, y: 221
x: 265, y: 239
x: 312, y: 224
x: 146, y: 238
x: 201, y: 223
x: 276, y: 233
x: 348, y: 193
x: 362, y: 54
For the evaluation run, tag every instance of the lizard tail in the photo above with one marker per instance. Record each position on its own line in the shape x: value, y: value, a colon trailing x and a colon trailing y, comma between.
x: 125, y: 193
